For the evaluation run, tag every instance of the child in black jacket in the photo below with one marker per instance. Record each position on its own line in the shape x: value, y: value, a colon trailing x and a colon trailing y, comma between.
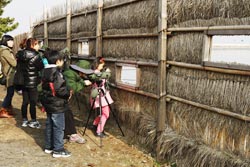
x: 55, y: 101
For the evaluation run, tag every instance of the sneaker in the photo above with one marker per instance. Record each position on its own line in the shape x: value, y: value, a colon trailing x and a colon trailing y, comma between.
x: 25, y: 123
x: 19, y: 92
x: 64, y: 153
x: 48, y: 151
x: 77, y: 138
x: 92, y: 127
x: 101, y: 135
x: 34, y: 124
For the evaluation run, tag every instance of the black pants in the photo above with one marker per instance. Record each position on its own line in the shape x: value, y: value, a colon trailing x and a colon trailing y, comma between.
x: 69, y: 123
x: 30, y: 96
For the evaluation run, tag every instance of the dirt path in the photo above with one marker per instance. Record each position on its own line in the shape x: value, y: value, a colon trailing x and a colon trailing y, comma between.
x: 23, y: 147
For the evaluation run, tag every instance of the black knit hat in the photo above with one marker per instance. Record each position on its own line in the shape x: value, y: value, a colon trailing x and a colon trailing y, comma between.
x: 5, y: 39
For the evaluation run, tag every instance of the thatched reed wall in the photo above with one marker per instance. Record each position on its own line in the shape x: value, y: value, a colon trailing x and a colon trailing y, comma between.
x: 214, y: 89
x: 129, y: 32
x: 84, y: 25
x: 38, y: 31
x: 57, y: 29
x: 141, y: 126
x: 130, y: 19
x: 193, y: 153
x: 134, y: 103
x: 225, y: 91
x: 182, y: 48
x: 131, y: 49
x: 203, y: 13
x: 58, y: 45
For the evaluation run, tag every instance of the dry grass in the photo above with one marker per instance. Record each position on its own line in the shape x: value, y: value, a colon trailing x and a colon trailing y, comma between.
x: 81, y: 5
x: 57, y: 29
x: 57, y: 45
x: 187, y: 153
x: 143, y: 127
x: 214, y: 89
x: 132, y: 49
x: 182, y: 47
x: 84, y: 24
x: 125, y: 18
x: 187, y: 10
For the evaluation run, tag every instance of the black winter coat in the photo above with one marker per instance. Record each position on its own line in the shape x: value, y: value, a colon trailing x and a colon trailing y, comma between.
x: 55, y: 92
x: 32, y: 64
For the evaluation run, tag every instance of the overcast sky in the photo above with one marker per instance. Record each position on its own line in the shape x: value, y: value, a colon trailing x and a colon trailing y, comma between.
x: 27, y: 11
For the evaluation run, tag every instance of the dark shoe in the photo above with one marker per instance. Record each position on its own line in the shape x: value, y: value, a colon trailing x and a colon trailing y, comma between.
x: 4, y: 113
x: 34, y: 124
x: 25, y: 123
x: 64, y: 153
x: 101, y: 135
x: 93, y: 127
x: 105, y: 134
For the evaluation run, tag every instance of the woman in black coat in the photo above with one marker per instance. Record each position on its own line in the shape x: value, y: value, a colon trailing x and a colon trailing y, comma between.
x: 32, y: 62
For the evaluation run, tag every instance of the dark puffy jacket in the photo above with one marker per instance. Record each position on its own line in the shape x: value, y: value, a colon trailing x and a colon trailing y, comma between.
x: 32, y: 63
x: 55, y: 93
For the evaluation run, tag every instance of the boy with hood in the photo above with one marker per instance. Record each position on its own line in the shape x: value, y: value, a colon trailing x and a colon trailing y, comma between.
x: 55, y: 101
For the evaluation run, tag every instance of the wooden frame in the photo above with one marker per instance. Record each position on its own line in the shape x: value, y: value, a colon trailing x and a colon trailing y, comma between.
x: 118, y: 76
x: 80, y: 46
x: 206, y: 51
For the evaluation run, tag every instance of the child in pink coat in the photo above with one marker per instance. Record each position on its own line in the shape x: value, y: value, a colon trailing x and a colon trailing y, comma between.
x: 100, y: 120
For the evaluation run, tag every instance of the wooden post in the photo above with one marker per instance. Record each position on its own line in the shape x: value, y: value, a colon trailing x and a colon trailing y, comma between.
x: 162, y: 52
x: 68, y: 22
x: 99, y: 29
x: 45, y: 17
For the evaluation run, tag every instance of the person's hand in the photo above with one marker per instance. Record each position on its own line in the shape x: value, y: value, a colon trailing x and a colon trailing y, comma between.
x: 108, y: 70
x: 87, y: 82
x: 70, y: 94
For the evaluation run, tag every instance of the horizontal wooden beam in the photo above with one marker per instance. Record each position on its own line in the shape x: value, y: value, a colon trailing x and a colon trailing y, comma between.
x: 121, y: 4
x: 131, y: 35
x: 140, y: 92
x: 206, y: 68
x: 209, y: 108
x: 84, y: 13
x: 107, y: 37
x: 58, y: 38
x: 190, y: 29
x: 84, y: 38
x: 114, y: 60
x: 57, y: 19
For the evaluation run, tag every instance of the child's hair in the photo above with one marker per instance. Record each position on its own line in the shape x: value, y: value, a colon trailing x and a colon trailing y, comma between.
x: 53, y: 55
x: 31, y: 42
x: 96, y: 62
x: 5, y: 39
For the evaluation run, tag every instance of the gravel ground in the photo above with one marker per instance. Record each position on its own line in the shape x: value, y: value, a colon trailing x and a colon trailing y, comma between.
x: 23, y: 147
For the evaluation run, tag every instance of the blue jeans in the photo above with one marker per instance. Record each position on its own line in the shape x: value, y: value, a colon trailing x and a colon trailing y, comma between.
x: 54, y: 131
x: 8, y: 98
